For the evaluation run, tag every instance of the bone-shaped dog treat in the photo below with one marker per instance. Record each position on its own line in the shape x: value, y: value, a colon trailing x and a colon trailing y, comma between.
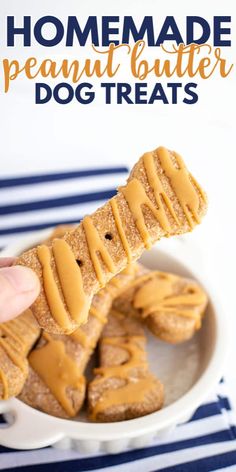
x: 56, y: 384
x: 161, y: 198
x: 172, y: 306
x: 58, y: 232
x: 16, y: 339
x: 123, y: 387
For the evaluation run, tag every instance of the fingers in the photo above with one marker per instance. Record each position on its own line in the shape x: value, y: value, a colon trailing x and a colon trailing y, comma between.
x: 19, y: 287
x: 7, y: 261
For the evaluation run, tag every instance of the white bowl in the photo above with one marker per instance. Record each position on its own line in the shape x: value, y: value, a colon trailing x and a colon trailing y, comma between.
x: 189, y: 371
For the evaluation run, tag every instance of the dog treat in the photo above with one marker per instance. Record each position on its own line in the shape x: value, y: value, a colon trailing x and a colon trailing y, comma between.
x: 123, y: 387
x: 16, y: 339
x: 58, y: 232
x: 55, y: 383
x: 172, y: 306
x: 161, y: 198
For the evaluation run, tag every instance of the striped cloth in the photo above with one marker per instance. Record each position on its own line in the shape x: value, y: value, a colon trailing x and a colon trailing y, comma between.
x: 33, y: 202
x: 205, y: 443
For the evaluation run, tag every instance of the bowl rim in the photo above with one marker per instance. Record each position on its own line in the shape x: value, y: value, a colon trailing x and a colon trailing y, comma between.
x: 164, y: 418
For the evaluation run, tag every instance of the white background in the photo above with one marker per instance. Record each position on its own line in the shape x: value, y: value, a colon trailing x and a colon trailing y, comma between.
x: 53, y: 137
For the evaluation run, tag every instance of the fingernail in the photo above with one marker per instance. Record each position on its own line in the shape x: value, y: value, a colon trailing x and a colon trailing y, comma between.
x: 22, y: 279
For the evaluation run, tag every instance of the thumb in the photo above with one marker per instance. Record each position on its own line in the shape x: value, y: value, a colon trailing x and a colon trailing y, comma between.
x: 19, y: 287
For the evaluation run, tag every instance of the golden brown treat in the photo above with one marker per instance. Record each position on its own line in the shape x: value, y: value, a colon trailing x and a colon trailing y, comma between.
x: 123, y: 387
x: 55, y: 383
x: 172, y: 306
x: 58, y: 232
x: 16, y: 339
x: 161, y: 198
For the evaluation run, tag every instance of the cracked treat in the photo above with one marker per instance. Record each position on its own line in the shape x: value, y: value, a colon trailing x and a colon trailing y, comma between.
x: 172, y: 306
x: 123, y: 387
x: 56, y: 384
x: 161, y: 198
x: 16, y: 339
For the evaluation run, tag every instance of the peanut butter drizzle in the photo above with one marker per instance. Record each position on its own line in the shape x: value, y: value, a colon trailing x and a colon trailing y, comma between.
x: 58, y: 371
x: 136, y: 353
x: 158, y: 294
x: 13, y: 329
x: 13, y: 339
x: 96, y: 246
x: 159, y: 192
x: 17, y: 358
x: 120, y: 229
x: 136, y: 197
x: 4, y: 384
x: 97, y: 314
x: 81, y: 337
x: 24, y: 318
x: 134, y: 390
x: 186, y: 190
x: 13, y: 342
x: 183, y: 184
x: 131, y: 269
x: 58, y: 232
x: 71, y: 283
x: 139, y: 280
x: 14, y: 346
x: 115, y: 282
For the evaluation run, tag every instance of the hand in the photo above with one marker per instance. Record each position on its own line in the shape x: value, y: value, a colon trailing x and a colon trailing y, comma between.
x: 19, y: 287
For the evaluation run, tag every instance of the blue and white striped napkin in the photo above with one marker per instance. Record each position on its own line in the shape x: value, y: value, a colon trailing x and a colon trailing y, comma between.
x: 208, y: 441
x: 205, y: 443
x: 33, y: 202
